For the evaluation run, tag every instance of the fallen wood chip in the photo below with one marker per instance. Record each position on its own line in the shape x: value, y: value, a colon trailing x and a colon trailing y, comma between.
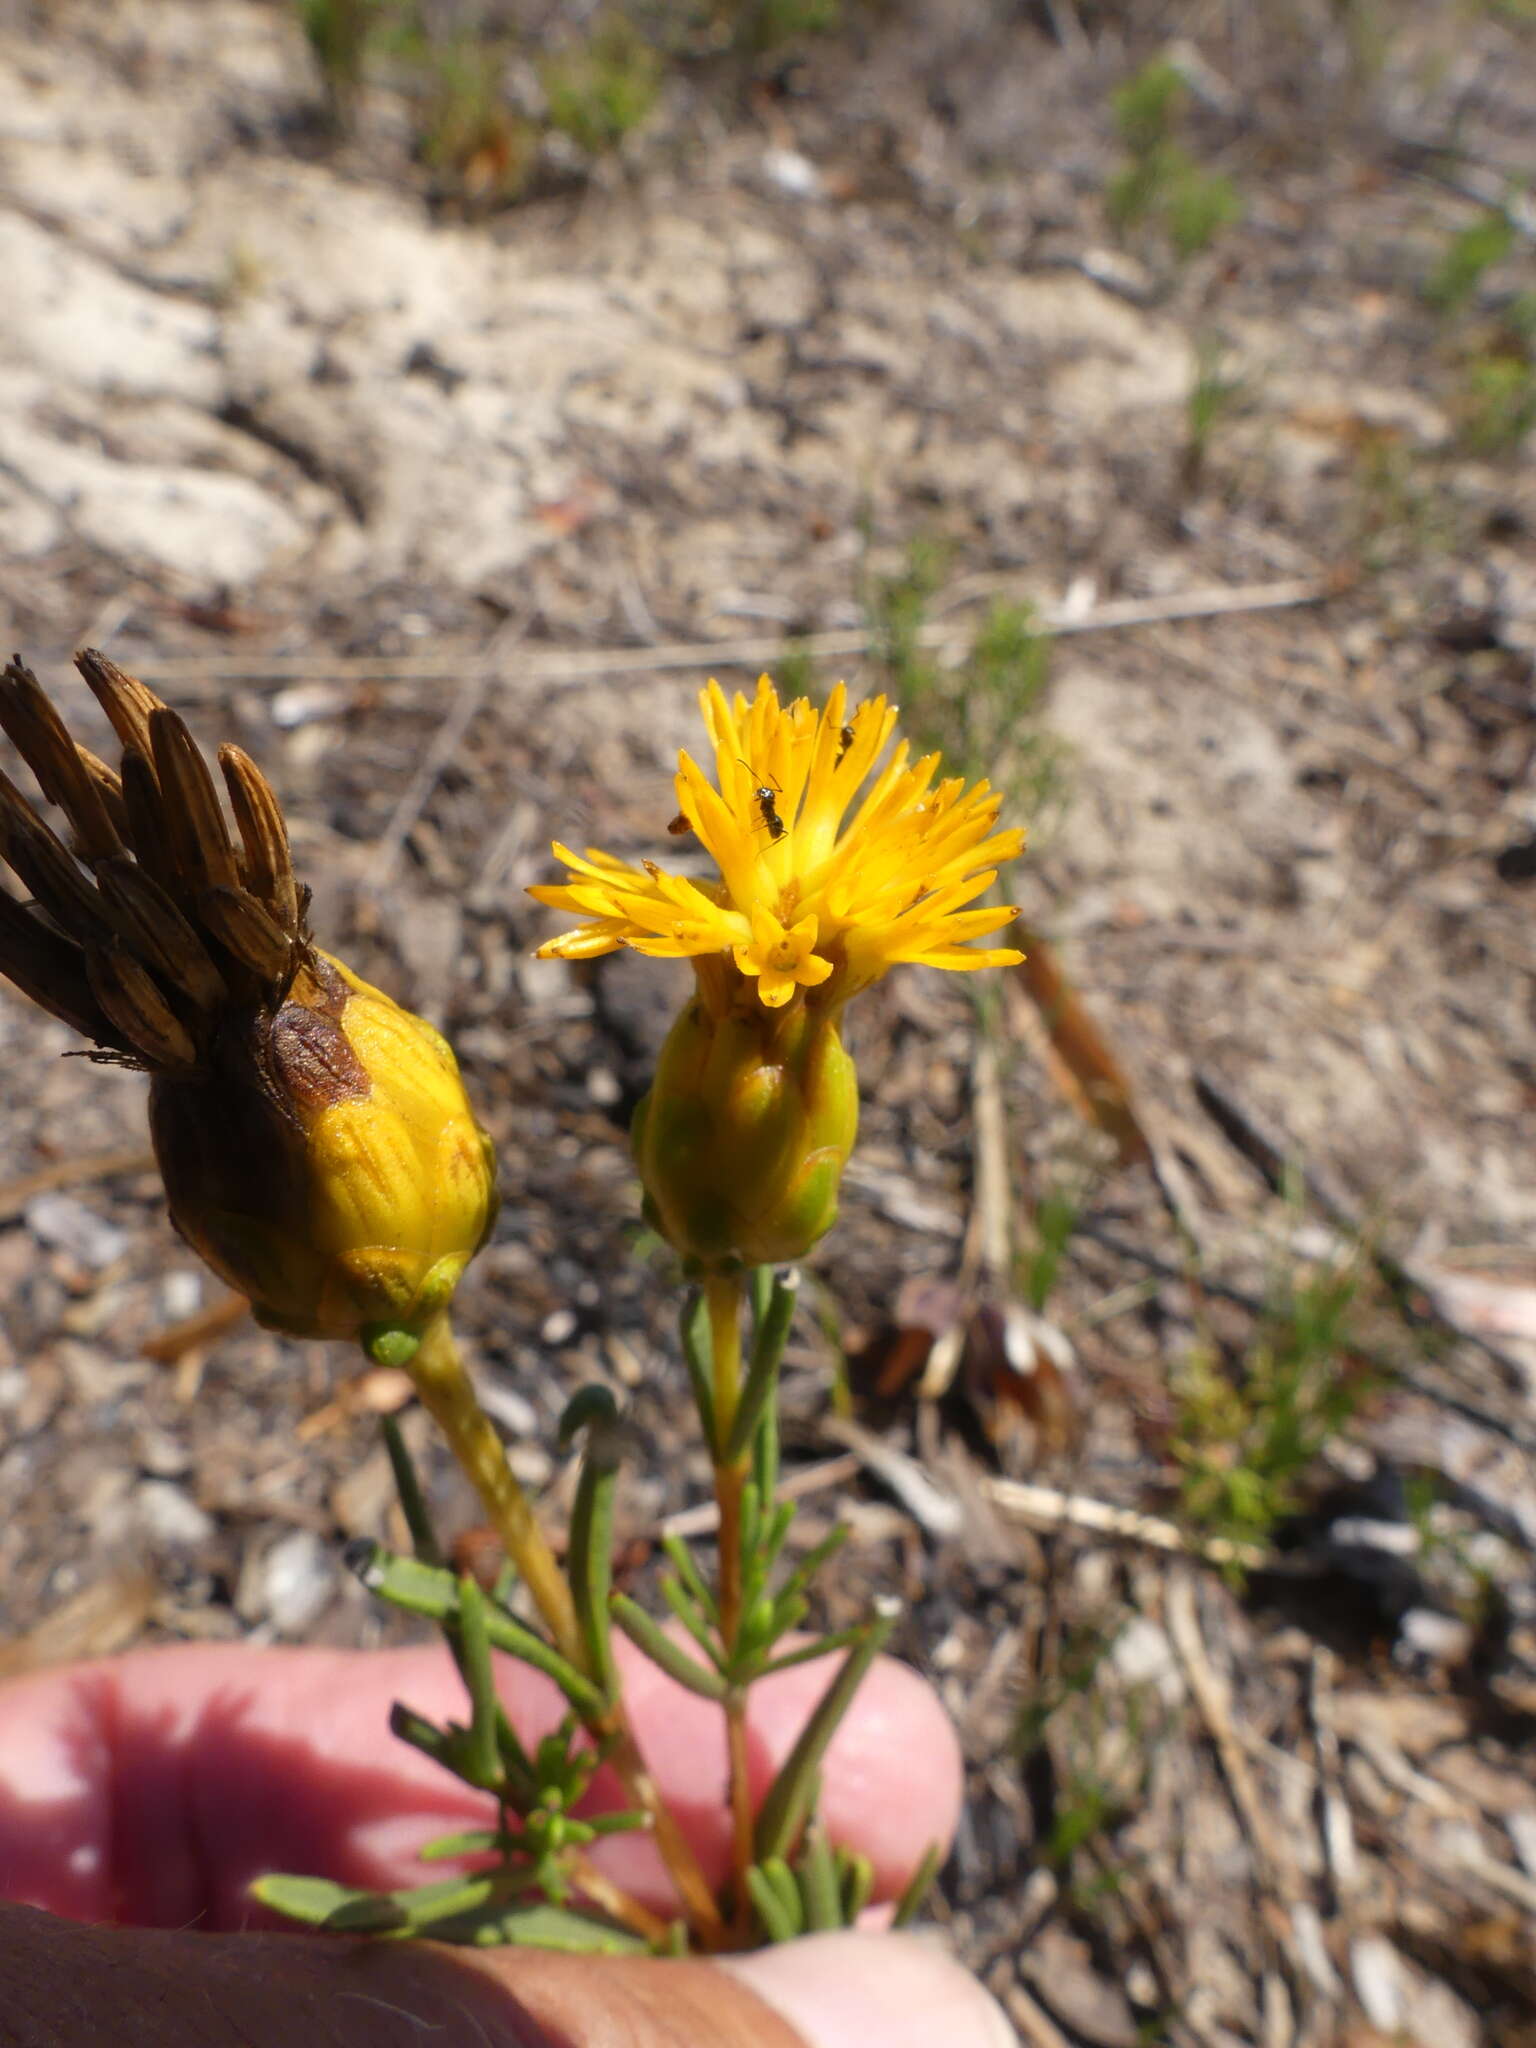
x: 704, y: 1519
x: 937, y: 1511
x: 170, y: 1345
x: 71, y: 1173
x: 102, y: 1617
x: 1076, y: 1053
x: 1044, y: 1507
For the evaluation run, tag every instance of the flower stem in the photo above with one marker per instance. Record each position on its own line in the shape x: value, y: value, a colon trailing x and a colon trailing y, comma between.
x: 723, y: 1295
x: 438, y: 1373
x: 617, y: 1903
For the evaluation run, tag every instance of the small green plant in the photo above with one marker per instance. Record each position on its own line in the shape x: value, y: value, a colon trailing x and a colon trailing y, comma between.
x: 601, y: 90
x: 898, y: 612
x: 465, y: 129
x: 1213, y: 395
x: 770, y: 24
x: 1496, y: 406
x: 1099, y: 1735
x: 1247, y: 1432
x: 1055, y: 1220
x: 338, y: 33
x: 1162, y: 184
x: 1466, y: 259
x: 985, y: 713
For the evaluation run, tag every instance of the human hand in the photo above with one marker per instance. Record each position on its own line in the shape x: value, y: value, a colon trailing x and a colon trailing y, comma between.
x: 147, y: 1792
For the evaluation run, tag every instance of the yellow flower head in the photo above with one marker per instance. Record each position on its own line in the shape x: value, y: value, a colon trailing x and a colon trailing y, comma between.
x: 809, y: 897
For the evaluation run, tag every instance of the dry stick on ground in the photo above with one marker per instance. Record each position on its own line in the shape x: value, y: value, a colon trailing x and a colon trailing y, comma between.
x: 71, y: 1173
x: 170, y: 1345
x: 986, y: 1253
x: 704, y: 1519
x: 1045, y: 1508
x: 1275, y: 1871
x: 197, y: 675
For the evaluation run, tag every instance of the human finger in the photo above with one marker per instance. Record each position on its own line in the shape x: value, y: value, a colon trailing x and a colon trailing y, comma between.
x: 156, y: 1786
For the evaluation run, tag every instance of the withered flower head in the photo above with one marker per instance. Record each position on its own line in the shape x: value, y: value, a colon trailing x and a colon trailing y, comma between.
x: 315, y: 1140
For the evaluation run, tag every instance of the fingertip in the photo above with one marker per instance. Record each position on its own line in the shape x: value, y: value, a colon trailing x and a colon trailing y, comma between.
x: 849, y: 1990
x: 892, y: 1780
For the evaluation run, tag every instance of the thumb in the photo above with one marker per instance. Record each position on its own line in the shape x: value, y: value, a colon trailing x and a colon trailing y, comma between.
x: 91, y: 1986
x: 873, y: 1991
x: 826, y: 1991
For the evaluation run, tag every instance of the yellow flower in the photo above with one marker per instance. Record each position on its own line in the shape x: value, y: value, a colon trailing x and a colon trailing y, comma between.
x: 808, y: 897
x: 742, y: 1140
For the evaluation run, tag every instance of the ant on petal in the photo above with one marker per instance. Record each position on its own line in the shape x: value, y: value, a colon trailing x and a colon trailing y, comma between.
x: 764, y: 795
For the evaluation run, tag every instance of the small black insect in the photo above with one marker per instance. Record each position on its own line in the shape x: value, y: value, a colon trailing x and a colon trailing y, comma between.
x: 765, y: 795
x: 844, y: 742
x: 679, y: 826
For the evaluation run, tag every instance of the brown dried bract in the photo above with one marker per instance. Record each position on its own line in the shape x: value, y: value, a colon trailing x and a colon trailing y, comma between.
x: 153, y: 928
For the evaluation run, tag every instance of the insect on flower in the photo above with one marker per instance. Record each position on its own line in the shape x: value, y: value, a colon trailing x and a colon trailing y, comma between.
x: 884, y: 863
x: 765, y: 795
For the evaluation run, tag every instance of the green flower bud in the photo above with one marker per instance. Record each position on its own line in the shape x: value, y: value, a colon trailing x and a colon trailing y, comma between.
x: 742, y: 1140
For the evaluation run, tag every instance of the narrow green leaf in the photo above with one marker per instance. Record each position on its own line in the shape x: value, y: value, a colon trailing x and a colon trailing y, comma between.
x: 541, y: 1925
x: 782, y: 1878
x: 856, y: 1879
x: 422, y: 1589
x: 818, y: 1884
x: 315, y: 1901
x: 751, y: 1529
x: 777, y: 1924
x: 688, y: 1571
x: 819, y: 1554
x: 426, y: 1904
x: 590, y: 1553
x: 760, y: 1292
x: 788, y: 1611
x: 807, y: 1653
x: 682, y: 1606
x: 918, y: 1886
x: 779, y: 1525
x: 765, y: 1448
x: 468, y: 1842
x: 618, y: 1823
x: 406, y: 1725
x: 693, y: 1330
x: 484, y: 1751
x: 590, y: 1407
x: 649, y: 1636
x: 762, y: 1376
x: 789, y: 1798
x: 413, y: 1504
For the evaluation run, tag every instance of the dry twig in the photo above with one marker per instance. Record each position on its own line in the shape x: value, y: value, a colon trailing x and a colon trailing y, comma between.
x: 558, y: 667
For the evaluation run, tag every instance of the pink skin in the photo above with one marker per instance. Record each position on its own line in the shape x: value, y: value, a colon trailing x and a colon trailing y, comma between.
x: 153, y: 1788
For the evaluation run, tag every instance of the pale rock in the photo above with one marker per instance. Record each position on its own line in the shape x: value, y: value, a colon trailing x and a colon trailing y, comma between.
x: 67, y: 1225
x: 1380, y: 1983
x: 169, y: 1518
x: 73, y: 316
x: 291, y: 1585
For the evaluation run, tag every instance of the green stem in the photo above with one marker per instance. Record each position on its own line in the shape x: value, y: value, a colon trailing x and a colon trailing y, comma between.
x: 723, y: 1297
x: 438, y: 1374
